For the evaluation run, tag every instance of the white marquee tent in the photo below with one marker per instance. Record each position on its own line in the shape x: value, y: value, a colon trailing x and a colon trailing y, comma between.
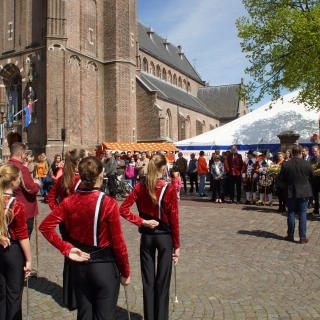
x: 259, y: 128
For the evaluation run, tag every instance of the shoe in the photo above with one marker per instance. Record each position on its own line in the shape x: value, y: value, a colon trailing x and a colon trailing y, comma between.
x: 231, y: 201
x: 260, y: 203
x: 220, y: 201
x: 217, y: 201
x: 247, y: 202
x: 306, y: 240
x: 287, y: 238
x: 270, y: 204
x: 254, y: 202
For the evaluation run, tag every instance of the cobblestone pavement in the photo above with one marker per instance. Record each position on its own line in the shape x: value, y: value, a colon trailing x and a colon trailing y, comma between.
x: 234, y: 265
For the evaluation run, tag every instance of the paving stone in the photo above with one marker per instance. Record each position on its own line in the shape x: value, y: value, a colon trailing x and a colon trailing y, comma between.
x: 234, y: 265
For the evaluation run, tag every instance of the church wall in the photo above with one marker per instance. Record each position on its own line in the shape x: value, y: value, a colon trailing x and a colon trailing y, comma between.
x: 194, y: 84
x: 148, y: 122
x: 190, y: 126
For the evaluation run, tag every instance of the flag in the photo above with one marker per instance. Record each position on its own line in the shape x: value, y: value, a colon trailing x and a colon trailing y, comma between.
x: 10, y: 111
x: 28, y: 111
x: 27, y: 118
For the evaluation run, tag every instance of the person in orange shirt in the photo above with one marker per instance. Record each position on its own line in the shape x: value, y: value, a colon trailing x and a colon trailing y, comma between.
x: 202, y: 172
x: 41, y: 173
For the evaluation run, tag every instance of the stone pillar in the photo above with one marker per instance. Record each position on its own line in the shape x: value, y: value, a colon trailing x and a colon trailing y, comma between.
x: 288, y: 139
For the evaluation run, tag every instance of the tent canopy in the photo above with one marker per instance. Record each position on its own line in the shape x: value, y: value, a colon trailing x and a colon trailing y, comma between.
x: 259, y: 128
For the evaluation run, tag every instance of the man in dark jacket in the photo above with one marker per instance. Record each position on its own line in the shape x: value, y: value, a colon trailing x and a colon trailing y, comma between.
x: 296, y: 173
x: 110, y: 173
x: 27, y: 195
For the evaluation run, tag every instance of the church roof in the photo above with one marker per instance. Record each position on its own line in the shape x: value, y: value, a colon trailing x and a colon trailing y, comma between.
x: 163, y: 50
x: 169, y: 92
x: 222, y: 100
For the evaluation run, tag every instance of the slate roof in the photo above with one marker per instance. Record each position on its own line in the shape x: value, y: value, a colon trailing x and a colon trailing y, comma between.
x: 170, y: 56
x: 169, y: 92
x: 222, y: 100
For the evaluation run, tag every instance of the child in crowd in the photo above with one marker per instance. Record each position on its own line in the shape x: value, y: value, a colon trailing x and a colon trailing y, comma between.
x: 176, y: 182
x: 15, y: 253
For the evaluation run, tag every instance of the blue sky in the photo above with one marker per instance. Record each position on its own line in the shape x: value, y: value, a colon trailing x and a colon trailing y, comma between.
x: 207, y: 32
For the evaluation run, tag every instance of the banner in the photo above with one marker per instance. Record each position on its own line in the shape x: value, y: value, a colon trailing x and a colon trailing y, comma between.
x: 10, y: 110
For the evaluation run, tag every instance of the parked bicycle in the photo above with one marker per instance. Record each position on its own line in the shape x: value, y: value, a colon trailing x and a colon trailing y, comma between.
x: 123, y: 187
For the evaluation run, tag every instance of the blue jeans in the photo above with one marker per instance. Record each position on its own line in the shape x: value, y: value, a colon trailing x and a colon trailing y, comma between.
x: 202, y: 184
x: 133, y: 182
x: 299, y: 206
x: 43, y: 190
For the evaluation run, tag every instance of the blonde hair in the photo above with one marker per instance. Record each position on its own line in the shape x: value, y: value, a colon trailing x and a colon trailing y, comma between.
x: 156, y: 162
x: 8, y: 173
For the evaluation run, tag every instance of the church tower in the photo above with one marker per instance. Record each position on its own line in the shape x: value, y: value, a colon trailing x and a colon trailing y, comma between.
x: 121, y: 34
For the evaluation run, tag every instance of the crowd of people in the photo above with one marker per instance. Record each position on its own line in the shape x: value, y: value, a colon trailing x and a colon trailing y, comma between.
x: 96, y: 256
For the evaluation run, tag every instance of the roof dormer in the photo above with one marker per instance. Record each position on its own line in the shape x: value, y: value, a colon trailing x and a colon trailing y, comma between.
x: 180, y: 52
x: 166, y: 42
x: 150, y: 32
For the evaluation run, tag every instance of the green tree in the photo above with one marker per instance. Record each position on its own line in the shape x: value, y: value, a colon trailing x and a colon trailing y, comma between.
x: 281, y: 39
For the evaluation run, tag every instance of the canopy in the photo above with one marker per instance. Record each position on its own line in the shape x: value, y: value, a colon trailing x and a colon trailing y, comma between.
x: 138, y: 146
x: 259, y: 128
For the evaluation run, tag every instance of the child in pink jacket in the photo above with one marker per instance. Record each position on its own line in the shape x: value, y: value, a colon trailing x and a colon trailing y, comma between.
x: 176, y: 182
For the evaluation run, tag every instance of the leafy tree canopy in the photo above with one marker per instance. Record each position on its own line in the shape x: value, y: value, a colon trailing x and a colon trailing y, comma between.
x: 282, y: 41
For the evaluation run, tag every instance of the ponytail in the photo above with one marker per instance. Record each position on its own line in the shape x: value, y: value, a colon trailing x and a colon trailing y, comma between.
x: 156, y: 162
x: 8, y: 173
x: 72, y: 158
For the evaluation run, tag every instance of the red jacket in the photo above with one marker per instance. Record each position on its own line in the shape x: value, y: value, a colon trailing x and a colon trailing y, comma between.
x: 234, y: 164
x: 169, y: 212
x: 27, y: 196
x: 18, y: 227
x: 57, y: 192
x: 78, y: 213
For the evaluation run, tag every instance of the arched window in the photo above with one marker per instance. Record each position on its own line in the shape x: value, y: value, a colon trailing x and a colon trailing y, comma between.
x: 188, y: 87
x: 184, y: 84
x: 180, y: 83
x: 145, y: 65
x: 164, y: 74
x: 174, y: 80
x: 158, y: 72
x: 200, y: 127
x: 152, y: 69
x: 188, y: 128
x: 169, y: 77
x: 168, y: 125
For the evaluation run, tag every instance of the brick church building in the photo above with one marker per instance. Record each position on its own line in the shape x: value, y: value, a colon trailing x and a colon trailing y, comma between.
x: 100, y: 75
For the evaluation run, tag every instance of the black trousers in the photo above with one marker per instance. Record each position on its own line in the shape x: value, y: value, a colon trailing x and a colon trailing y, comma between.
x: 69, y: 297
x: 30, y: 224
x: 97, y: 288
x: 235, y: 180
x: 193, y: 179
x: 219, y: 188
x: 315, y: 190
x: 281, y: 198
x: 156, y: 284
x: 12, y: 261
x: 183, y: 177
x: 112, y: 185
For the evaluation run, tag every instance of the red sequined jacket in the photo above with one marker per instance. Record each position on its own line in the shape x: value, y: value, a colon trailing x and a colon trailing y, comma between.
x: 56, y: 191
x: 18, y: 226
x: 169, y: 210
x: 78, y: 213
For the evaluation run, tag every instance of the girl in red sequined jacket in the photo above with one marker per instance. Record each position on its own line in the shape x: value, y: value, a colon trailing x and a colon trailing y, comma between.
x: 158, y: 223
x: 65, y: 186
x: 96, y: 243
x: 15, y: 253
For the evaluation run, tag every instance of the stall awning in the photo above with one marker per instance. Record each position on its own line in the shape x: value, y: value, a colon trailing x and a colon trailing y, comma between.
x: 138, y: 146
